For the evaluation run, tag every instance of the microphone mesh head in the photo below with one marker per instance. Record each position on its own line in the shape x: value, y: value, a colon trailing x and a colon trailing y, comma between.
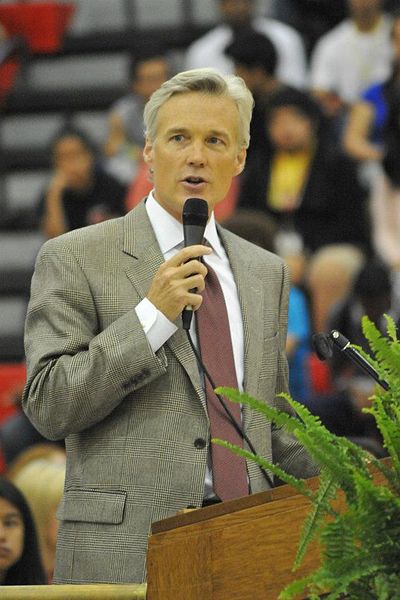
x: 322, y: 346
x: 195, y: 212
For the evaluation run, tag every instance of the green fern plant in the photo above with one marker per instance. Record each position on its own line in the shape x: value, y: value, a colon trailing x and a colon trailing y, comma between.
x: 360, y: 545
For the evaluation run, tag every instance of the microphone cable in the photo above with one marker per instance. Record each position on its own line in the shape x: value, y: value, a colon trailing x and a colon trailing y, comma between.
x: 238, y: 428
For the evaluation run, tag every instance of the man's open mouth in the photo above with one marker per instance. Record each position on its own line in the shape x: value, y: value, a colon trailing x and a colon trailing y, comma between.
x: 194, y: 180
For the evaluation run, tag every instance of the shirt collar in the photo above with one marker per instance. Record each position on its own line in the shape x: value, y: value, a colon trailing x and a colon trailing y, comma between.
x: 169, y: 231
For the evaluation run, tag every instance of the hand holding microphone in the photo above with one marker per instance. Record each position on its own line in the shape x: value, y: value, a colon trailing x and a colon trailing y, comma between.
x: 178, y: 280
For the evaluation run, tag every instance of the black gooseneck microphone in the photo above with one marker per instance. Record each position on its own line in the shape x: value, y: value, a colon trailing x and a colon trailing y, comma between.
x: 194, y: 219
x: 323, y: 343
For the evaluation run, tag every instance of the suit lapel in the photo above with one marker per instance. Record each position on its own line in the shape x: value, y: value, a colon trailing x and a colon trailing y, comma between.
x: 143, y: 260
x: 251, y: 298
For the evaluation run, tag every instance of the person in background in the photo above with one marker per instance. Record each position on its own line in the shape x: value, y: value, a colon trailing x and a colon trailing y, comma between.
x: 20, y: 562
x: 80, y: 192
x: 125, y: 141
x: 353, y: 55
x: 238, y: 16
x: 341, y: 409
x: 262, y: 230
x: 255, y: 59
x: 372, y: 295
x: 42, y: 482
x: 311, y: 18
x: 372, y: 136
x: 305, y: 182
x: 329, y: 277
x: 110, y: 365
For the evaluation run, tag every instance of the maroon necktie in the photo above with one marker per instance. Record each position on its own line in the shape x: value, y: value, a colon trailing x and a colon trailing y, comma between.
x: 229, y: 470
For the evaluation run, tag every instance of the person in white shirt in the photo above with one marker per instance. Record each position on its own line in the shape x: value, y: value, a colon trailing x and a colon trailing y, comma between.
x: 353, y: 55
x: 238, y: 15
x: 111, y: 368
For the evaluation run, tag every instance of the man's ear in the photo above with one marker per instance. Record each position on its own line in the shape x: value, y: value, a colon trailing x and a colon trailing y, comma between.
x: 148, y: 152
x: 240, y: 161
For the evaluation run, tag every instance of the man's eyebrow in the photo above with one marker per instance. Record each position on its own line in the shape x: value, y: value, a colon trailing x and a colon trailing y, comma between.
x: 212, y: 133
x: 175, y: 130
x: 219, y: 133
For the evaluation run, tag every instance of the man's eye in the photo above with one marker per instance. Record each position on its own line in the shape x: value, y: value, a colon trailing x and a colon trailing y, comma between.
x: 177, y: 138
x: 214, y: 140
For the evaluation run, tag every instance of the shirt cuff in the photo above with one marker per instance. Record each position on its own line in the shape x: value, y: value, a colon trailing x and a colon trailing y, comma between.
x: 156, y: 326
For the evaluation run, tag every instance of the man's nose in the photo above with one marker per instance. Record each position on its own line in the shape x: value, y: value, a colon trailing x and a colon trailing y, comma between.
x: 197, y: 154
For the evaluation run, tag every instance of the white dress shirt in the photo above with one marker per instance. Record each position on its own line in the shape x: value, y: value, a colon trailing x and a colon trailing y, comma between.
x: 158, y: 329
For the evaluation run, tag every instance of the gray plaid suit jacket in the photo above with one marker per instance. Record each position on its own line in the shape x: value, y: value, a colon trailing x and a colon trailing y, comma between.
x: 130, y: 417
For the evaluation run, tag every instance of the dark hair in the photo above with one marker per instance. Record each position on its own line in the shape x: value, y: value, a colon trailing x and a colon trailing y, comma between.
x: 72, y: 131
x: 297, y: 99
x: 255, y: 226
x: 253, y: 49
x: 143, y: 55
x: 28, y: 570
x: 373, y: 280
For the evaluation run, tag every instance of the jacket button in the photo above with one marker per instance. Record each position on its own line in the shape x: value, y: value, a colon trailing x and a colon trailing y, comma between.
x: 200, y: 443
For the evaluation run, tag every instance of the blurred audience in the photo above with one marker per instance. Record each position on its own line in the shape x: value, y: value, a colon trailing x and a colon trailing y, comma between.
x: 351, y: 56
x: 305, y: 182
x: 341, y: 410
x: 262, y: 230
x: 80, y: 192
x: 371, y: 294
x: 125, y: 142
x: 44, y: 450
x: 20, y: 562
x: 236, y: 17
x: 255, y: 60
x: 363, y: 136
x: 373, y: 134
x: 311, y: 18
x: 330, y: 274
x: 17, y: 433
x: 42, y: 483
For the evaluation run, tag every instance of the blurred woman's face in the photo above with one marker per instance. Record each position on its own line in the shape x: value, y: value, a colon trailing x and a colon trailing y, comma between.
x: 74, y: 160
x: 289, y: 129
x: 12, y: 533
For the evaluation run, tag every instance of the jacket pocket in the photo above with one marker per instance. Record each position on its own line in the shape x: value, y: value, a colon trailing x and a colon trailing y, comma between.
x: 92, y: 506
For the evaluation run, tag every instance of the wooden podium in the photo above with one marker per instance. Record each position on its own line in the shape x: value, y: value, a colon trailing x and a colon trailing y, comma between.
x: 239, y: 550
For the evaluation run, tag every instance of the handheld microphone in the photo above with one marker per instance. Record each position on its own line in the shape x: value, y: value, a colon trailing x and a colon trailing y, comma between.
x: 323, y: 343
x: 194, y: 219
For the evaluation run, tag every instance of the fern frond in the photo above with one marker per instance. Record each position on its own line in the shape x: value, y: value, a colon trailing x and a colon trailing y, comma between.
x: 298, y: 484
x: 390, y: 430
x: 281, y: 419
x: 326, y: 492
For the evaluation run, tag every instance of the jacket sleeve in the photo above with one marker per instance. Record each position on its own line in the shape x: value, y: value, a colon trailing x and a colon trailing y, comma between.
x: 77, y: 373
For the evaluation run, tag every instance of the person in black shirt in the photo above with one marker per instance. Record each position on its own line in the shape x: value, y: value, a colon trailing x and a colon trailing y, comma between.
x: 80, y: 193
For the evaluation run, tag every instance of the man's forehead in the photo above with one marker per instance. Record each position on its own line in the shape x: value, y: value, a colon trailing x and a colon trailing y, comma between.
x: 221, y: 119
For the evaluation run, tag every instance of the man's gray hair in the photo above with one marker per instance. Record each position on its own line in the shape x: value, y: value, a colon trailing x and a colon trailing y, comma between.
x: 207, y: 81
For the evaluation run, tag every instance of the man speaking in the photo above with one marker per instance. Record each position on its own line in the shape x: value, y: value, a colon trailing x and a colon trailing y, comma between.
x: 110, y: 367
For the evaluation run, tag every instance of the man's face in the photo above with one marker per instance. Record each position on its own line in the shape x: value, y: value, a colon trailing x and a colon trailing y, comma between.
x: 237, y: 12
x: 289, y: 129
x: 12, y: 533
x: 150, y: 75
x: 196, y: 151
